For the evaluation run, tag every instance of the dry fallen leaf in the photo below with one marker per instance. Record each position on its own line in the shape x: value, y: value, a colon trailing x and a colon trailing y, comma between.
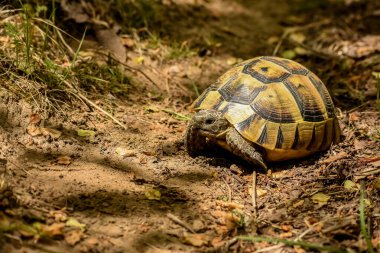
x: 32, y: 130
x: 359, y: 144
x: 354, y: 116
x: 301, y: 51
x: 298, y: 203
x: 318, y: 227
x: 286, y: 228
x: 73, y: 237
x: 72, y: 222
x: 259, y: 191
x: 232, y: 61
x: 221, y: 230
x: 34, y: 119
x: 350, y: 185
x: 196, y: 240
x: 298, y: 249
x: 198, y: 225
x: 334, y: 158
x: 230, y: 205
x: 297, y: 37
x: 54, y: 229
x: 152, y: 194
x: 218, y: 214
x: 216, y: 242
x: 123, y: 152
x: 320, y: 198
x: 286, y: 235
x: 64, y: 160
x: 273, y: 39
x: 288, y: 54
x: 232, y: 220
x: 58, y: 215
x: 55, y: 134
x: 279, y: 174
x: 128, y: 41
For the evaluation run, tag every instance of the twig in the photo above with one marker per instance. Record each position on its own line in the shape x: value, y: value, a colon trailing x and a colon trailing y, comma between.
x: 131, y: 68
x: 311, y: 228
x: 229, y: 190
x: 363, y: 228
x: 284, y: 35
x: 81, y: 96
x: 271, y: 248
x: 366, y: 173
x: 338, y: 226
x: 138, y: 70
x: 358, y: 107
x: 179, y: 222
x: 302, y: 244
x: 254, y: 194
x: 27, y: 172
x: 40, y: 248
x: 295, y: 29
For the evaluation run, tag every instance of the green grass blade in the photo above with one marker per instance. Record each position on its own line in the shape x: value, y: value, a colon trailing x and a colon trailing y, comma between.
x: 300, y: 243
x: 363, y: 228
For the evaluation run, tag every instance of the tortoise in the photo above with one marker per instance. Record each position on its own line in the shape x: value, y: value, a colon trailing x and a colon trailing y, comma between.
x: 264, y: 109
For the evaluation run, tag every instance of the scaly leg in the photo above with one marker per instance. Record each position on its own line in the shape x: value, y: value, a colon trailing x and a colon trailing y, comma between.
x: 244, y: 149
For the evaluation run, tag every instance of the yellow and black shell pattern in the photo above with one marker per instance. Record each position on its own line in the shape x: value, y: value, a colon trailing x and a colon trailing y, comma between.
x: 277, y: 104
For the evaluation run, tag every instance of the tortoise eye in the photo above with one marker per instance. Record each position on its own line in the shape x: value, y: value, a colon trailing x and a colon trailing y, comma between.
x: 209, y: 121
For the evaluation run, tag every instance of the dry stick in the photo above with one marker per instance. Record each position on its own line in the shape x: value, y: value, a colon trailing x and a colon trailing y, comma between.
x: 303, y: 244
x: 270, y: 248
x: 229, y: 191
x: 27, y: 172
x: 295, y: 29
x: 367, y: 173
x: 308, y: 230
x: 131, y: 68
x: 179, y: 222
x: 254, y: 194
x: 71, y: 51
x: 80, y: 95
x: 336, y: 227
x: 40, y: 248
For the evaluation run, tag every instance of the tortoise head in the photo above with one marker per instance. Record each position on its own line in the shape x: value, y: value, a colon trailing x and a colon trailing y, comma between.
x: 210, y: 123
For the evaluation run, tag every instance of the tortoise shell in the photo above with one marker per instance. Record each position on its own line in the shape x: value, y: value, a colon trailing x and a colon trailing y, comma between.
x: 277, y: 104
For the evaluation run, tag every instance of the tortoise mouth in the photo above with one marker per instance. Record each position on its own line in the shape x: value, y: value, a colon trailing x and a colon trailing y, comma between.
x: 213, y: 135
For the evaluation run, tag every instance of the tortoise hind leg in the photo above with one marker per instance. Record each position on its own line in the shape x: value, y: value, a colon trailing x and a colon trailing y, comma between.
x: 244, y: 149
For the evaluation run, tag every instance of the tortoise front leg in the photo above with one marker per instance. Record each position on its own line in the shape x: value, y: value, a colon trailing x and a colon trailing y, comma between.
x: 244, y: 149
x: 195, y: 143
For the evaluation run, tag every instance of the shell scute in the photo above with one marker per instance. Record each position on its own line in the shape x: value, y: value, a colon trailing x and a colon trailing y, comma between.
x: 266, y: 71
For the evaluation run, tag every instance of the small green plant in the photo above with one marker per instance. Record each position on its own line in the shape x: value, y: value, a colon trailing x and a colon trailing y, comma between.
x: 154, y: 41
x: 179, y: 50
x: 363, y: 227
x: 40, y: 66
